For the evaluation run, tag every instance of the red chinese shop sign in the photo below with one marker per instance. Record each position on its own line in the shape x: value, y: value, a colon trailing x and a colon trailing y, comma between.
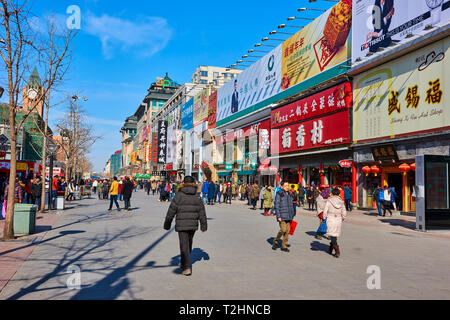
x: 244, y: 132
x: 329, y: 130
x: 331, y: 100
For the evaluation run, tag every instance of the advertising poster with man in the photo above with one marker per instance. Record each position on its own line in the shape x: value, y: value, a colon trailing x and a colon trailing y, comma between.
x: 384, y: 24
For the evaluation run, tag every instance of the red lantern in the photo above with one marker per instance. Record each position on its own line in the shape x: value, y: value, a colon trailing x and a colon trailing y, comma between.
x: 413, y: 167
x: 366, y: 170
x: 405, y: 168
x: 375, y: 169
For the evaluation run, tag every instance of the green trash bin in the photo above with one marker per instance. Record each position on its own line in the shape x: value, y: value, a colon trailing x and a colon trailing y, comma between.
x: 24, y: 219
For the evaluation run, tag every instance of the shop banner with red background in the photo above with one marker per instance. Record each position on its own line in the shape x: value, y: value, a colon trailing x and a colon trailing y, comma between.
x: 334, y: 99
x: 326, y: 131
x: 154, y: 152
x: 244, y: 132
x: 212, y: 110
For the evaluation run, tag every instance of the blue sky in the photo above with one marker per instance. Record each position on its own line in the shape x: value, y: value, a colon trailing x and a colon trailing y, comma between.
x: 124, y: 45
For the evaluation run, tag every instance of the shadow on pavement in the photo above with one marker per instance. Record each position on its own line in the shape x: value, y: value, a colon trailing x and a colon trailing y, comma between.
x: 110, y: 286
x: 318, y: 246
x: 402, y: 223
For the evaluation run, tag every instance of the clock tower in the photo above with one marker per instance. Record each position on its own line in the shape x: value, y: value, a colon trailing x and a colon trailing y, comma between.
x: 31, y: 92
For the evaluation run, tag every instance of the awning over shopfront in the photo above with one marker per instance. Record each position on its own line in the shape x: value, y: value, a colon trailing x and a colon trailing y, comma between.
x: 247, y: 172
x: 224, y: 174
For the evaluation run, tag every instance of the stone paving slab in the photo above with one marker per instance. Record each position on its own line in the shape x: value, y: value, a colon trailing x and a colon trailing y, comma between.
x: 129, y: 256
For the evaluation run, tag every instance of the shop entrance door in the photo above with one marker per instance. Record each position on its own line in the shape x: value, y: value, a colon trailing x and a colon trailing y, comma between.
x: 395, y: 180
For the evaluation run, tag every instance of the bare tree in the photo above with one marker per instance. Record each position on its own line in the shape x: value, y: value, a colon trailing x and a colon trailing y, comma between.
x: 22, y: 47
x: 78, y: 138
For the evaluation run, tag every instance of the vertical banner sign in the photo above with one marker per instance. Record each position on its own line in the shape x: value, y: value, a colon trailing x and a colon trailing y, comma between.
x: 155, y: 148
x: 212, y: 110
x: 162, y: 142
x: 170, y: 158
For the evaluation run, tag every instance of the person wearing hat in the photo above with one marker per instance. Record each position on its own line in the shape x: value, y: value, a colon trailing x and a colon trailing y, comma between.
x: 188, y: 210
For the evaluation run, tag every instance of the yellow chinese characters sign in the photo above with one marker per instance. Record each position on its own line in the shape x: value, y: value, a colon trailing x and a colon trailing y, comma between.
x: 321, y: 45
x: 403, y: 97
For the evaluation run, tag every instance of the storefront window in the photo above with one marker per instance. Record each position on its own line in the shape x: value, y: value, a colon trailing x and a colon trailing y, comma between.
x: 437, y: 186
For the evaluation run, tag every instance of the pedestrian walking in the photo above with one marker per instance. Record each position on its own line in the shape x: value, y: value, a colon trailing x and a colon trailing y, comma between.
x: 301, y: 196
x: 377, y: 195
x: 71, y: 190
x: 228, y: 193
x: 234, y: 190
x: 393, y: 198
x: 242, y: 191
x: 220, y: 192
x: 285, y: 214
x: 36, y: 191
x: 205, y: 189
x: 211, y: 193
x: 154, y: 185
x: 310, y: 197
x: 95, y: 186
x: 348, y: 198
x: 261, y: 196
x: 188, y: 210
x: 268, y: 200
x: 254, y: 194
x: 321, y: 202
x: 114, y: 192
x: 127, y: 192
x: 387, y: 201
x: 294, y: 196
x: 99, y: 189
x: 335, y: 214
x: 106, y: 187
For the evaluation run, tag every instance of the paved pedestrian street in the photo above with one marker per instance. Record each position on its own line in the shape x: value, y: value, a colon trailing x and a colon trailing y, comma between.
x: 128, y: 255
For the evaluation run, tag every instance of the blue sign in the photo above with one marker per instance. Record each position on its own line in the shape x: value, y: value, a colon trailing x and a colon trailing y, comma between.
x: 187, y: 115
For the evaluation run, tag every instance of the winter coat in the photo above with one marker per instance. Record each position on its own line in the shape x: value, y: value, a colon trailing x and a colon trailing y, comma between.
x: 233, y: 189
x: 321, y: 202
x: 127, y: 189
x: 283, y: 206
x: 347, y: 193
x: 154, y: 185
x: 316, y: 194
x: 242, y: 189
x: 99, y: 188
x: 254, y: 191
x: 205, y: 187
x: 393, y: 194
x: 277, y: 188
x: 310, y: 195
x: 36, y: 190
x: 211, y: 191
x: 188, y: 209
x: 268, y: 199
x: 335, y: 214
x: 228, y: 191
x: 114, y: 190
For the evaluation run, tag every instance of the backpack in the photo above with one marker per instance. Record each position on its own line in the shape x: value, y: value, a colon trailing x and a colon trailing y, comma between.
x: 376, y: 194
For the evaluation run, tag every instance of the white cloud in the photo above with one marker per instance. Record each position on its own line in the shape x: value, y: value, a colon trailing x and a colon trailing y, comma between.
x: 146, y: 37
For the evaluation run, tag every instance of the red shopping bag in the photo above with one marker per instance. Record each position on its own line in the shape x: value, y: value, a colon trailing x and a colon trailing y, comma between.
x: 293, y: 227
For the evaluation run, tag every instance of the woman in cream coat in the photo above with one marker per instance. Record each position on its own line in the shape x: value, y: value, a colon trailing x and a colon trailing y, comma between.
x: 335, y: 214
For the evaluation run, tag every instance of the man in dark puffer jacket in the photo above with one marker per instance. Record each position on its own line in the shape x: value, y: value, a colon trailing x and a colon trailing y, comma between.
x: 285, y: 214
x: 189, y: 209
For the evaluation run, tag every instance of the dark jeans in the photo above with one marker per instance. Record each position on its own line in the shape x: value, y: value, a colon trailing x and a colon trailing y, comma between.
x: 127, y: 203
x: 310, y: 204
x: 334, y: 241
x: 348, y: 205
x: 112, y: 200
x: 254, y: 202
x: 38, y: 199
x: 186, y: 239
x: 262, y: 203
x: 387, y: 206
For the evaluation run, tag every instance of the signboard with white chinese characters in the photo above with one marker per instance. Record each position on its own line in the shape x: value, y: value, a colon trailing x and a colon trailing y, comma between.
x: 162, y: 142
x: 334, y: 99
x: 326, y: 131
x: 403, y: 97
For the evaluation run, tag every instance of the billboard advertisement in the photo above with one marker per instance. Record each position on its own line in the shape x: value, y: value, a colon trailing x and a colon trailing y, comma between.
x: 201, y: 104
x: 383, y: 24
x: 259, y: 82
x: 212, y: 110
x: 403, y: 97
x: 187, y: 115
x: 321, y: 45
